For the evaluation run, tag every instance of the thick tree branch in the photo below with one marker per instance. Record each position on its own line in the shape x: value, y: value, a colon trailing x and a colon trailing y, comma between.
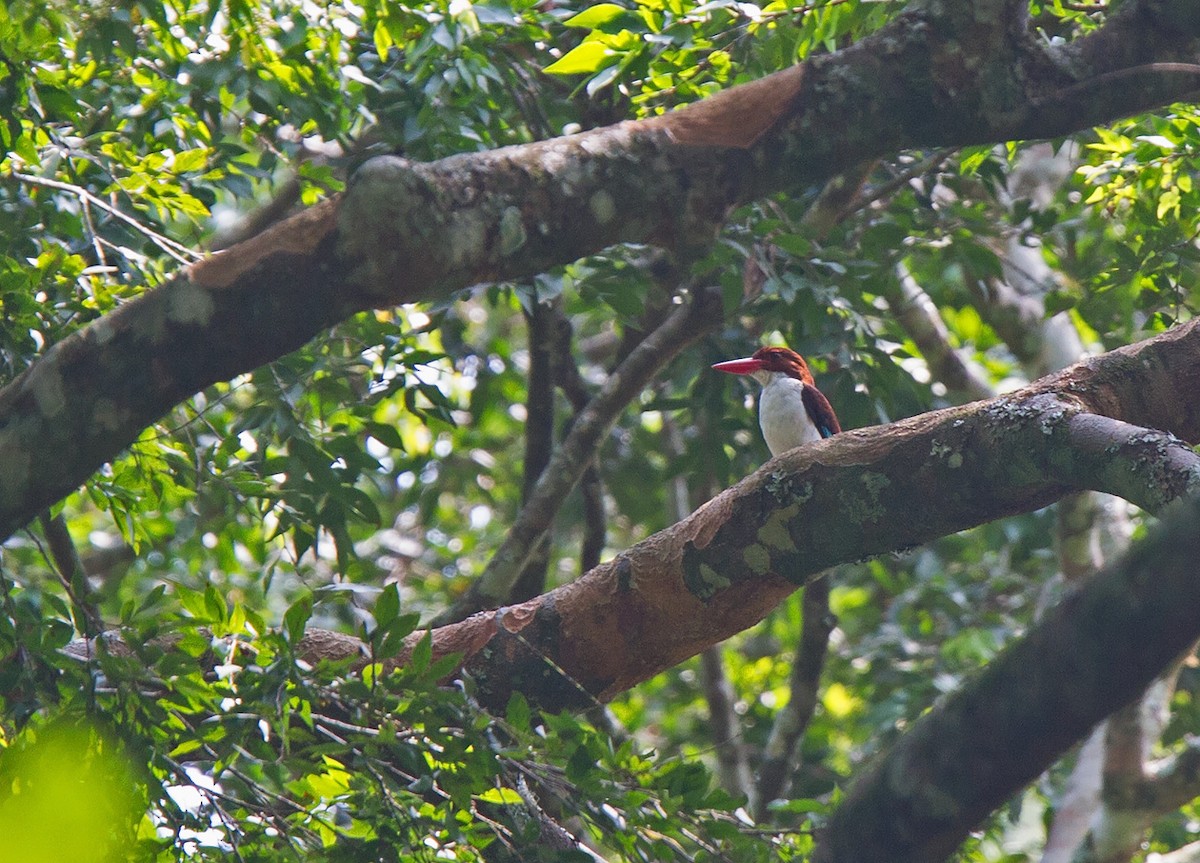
x: 1146, y: 467
x: 860, y: 493
x: 90, y: 395
x: 939, y: 75
x: 725, y: 566
x: 1093, y: 653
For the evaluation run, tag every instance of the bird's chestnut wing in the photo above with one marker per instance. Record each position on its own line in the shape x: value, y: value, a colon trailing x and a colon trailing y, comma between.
x: 821, y: 411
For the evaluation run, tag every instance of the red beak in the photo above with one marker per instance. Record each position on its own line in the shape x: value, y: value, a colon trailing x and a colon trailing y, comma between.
x: 739, y: 367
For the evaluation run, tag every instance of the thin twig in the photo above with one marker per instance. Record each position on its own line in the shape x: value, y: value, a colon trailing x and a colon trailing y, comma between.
x: 902, y: 179
x: 176, y: 250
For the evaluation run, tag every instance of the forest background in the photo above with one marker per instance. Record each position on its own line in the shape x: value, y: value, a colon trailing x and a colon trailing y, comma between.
x: 301, y: 370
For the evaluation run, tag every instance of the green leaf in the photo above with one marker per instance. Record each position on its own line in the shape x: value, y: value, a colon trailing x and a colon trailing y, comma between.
x: 503, y: 796
x: 295, y: 618
x: 1059, y: 301
x: 595, y: 17
x: 799, y: 806
x: 389, y: 640
x: 185, y: 747
x: 583, y: 59
x: 190, y: 160
x: 388, y: 435
x: 422, y: 653
x: 383, y: 40
x: 214, y: 604
x: 387, y: 606
x: 517, y: 713
x: 443, y: 666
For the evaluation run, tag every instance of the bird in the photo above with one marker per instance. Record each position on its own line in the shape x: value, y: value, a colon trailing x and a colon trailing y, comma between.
x: 791, y: 410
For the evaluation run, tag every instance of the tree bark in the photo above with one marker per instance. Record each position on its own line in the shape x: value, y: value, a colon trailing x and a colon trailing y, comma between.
x: 1095, y: 652
x: 861, y: 493
x: 939, y: 74
x: 871, y: 491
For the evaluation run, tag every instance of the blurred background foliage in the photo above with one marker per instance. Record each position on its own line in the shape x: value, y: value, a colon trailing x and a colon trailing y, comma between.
x: 362, y: 482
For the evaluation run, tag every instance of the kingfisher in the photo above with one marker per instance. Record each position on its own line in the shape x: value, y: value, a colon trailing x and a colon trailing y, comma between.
x: 791, y: 410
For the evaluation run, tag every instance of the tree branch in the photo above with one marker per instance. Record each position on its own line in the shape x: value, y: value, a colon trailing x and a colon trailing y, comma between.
x: 1189, y: 853
x: 1134, y: 795
x: 66, y: 562
x: 863, y: 492
x: 404, y: 232
x: 539, y: 441
x: 1145, y: 467
x: 569, y: 379
x: 1173, y: 781
x: 1091, y: 654
x: 591, y: 488
x: 779, y: 754
x: 1080, y: 800
x: 684, y: 325
x: 916, y: 312
x: 733, y: 769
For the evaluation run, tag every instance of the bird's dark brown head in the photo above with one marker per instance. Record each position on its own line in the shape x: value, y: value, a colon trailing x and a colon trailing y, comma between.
x: 784, y: 360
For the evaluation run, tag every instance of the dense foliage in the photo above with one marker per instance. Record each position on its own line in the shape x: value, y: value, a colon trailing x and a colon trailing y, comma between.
x: 362, y: 482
